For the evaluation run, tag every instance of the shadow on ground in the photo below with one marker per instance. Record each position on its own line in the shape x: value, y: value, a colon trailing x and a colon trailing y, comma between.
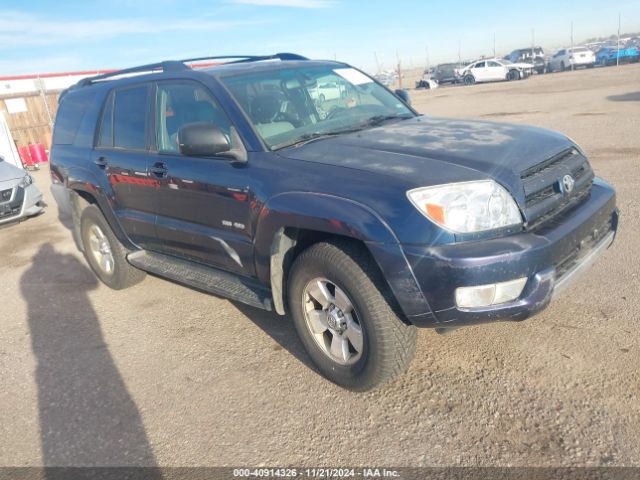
x: 625, y: 97
x: 87, y: 416
x: 280, y: 329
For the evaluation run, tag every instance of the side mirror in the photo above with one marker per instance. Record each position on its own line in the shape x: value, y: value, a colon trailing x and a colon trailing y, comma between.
x: 403, y: 95
x: 202, y: 139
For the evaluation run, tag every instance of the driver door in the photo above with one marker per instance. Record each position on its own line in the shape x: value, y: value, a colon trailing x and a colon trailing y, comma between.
x: 204, y: 202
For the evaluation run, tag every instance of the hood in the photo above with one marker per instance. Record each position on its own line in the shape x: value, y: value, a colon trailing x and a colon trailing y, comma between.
x: 10, y: 172
x: 427, y: 151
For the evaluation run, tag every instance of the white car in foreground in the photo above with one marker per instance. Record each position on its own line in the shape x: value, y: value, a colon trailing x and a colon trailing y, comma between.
x: 493, y: 70
x: 19, y: 197
x: 577, y: 56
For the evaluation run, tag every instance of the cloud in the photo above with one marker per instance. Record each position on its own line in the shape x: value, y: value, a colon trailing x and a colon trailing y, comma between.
x: 17, y: 28
x: 287, y: 3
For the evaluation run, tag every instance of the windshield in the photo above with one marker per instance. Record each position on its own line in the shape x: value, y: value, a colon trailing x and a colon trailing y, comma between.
x: 293, y: 105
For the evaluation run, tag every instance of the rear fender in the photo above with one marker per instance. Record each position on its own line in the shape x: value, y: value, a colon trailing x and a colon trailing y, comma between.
x: 84, y: 184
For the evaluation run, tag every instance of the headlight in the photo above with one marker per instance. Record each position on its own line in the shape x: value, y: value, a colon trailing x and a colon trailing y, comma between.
x: 26, y: 181
x: 468, y: 206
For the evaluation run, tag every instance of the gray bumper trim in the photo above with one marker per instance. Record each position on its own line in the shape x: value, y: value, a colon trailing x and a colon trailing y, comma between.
x: 583, y: 264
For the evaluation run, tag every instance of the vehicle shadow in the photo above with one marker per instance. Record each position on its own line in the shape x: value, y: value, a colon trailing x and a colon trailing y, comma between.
x: 87, y: 416
x: 625, y: 97
x: 280, y: 329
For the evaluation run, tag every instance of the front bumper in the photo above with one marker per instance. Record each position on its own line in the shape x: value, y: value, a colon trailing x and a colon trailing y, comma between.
x: 550, y: 259
x: 24, y: 202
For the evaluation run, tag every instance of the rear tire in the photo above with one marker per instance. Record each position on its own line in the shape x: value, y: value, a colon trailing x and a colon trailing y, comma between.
x: 106, y: 256
x: 336, y: 293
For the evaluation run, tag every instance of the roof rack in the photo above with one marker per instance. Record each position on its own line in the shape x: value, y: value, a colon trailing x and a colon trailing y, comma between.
x: 168, y: 66
x: 180, y: 65
x: 249, y: 58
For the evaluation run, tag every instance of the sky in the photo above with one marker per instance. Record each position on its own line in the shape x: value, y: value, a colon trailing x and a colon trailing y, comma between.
x: 40, y: 36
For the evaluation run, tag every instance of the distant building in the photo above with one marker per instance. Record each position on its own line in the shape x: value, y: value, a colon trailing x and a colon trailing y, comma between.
x: 29, y: 103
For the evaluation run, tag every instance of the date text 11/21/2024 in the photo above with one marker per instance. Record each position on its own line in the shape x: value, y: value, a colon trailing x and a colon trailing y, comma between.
x: 315, y: 473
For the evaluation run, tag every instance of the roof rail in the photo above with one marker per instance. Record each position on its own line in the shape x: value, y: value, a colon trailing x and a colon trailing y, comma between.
x: 168, y: 66
x: 249, y: 58
x: 180, y: 65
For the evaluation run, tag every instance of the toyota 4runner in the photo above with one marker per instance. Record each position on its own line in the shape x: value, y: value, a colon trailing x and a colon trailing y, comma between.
x: 357, y: 216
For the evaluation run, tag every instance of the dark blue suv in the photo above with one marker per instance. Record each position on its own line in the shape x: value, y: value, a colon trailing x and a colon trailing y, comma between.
x: 343, y: 207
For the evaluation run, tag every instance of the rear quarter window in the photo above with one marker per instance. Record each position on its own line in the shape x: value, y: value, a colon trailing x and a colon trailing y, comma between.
x: 71, y: 111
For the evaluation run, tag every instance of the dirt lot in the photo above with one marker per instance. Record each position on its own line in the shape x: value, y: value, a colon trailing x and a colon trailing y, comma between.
x: 160, y: 374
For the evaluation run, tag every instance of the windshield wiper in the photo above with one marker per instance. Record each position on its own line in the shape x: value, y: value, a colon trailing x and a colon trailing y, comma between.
x: 310, y: 137
x: 380, y: 119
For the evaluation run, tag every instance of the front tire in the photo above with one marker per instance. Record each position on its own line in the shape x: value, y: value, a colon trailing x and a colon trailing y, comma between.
x: 513, y: 75
x: 104, y: 252
x: 469, y: 80
x: 343, y: 314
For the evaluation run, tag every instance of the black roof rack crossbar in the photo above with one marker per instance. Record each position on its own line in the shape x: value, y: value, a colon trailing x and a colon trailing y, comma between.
x: 248, y: 58
x: 168, y: 66
x: 179, y: 65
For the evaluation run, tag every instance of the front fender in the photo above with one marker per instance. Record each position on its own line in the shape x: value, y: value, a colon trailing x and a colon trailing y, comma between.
x: 338, y: 216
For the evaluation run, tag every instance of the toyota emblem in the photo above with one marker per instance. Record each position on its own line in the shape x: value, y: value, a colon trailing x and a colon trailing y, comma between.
x: 568, y: 183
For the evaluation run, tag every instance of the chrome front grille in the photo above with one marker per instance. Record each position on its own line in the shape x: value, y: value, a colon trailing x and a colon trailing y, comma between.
x: 546, y: 197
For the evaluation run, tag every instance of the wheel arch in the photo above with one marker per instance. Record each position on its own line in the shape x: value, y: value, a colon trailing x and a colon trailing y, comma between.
x: 83, y: 192
x: 289, y: 223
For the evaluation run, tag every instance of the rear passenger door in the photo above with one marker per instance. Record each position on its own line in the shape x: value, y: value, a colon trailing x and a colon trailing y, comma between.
x: 122, y: 149
x: 204, y: 203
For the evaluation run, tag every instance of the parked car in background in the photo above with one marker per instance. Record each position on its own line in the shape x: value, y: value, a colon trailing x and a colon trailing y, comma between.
x: 387, y: 77
x: 576, y: 56
x: 493, y: 70
x: 328, y: 91
x: 610, y: 55
x: 426, y: 82
x: 445, y: 73
x: 534, y: 56
x: 19, y: 197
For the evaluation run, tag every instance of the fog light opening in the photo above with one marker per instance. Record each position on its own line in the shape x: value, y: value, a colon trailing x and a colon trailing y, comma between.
x: 490, y: 294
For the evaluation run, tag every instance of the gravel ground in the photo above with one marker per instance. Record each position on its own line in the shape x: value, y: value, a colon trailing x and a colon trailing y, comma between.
x: 163, y: 375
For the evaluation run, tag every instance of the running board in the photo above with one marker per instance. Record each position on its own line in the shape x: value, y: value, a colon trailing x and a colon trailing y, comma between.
x: 211, y: 280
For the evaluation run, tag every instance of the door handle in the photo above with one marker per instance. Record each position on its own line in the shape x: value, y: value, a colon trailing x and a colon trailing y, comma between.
x: 159, y: 169
x: 101, y: 162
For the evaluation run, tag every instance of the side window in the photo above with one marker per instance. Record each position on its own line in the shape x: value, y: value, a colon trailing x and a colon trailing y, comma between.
x: 178, y: 104
x: 479, y: 65
x: 105, y: 139
x: 129, y: 118
x: 493, y: 64
x: 70, y: 114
